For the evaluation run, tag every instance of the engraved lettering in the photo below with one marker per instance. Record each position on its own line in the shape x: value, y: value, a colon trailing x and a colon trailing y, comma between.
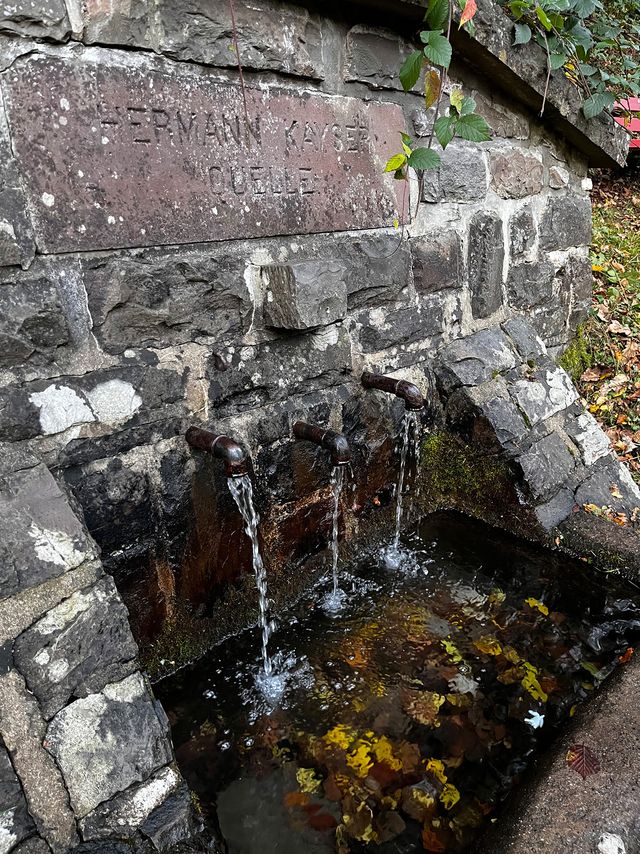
x: 337, y: 138
x: 216, y: 180
x: 290, y: 140
x: 306, y: 181
x: 161, y: 121
x: 256, y: 176
x: 352, y: 139
x: 134, y: 112
x: 186, y: 130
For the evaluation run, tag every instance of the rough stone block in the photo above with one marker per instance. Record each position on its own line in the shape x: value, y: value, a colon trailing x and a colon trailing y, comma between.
x: 40, y: 538
x: 504, y: 121
x: 304, y: 295
x: 530, y: 285
x: 493, y: 401
x: 515, y: 173
x: 35, y: 845
x: 374, y: 57
x: 485, y: 260
x: 159, y: 299
x: 44, y: 19
x: 271, y: 36
x: 566, y: 222
x: 377, y: 269
x: 15, y: 822
x: 522, y: 232
x: 32, y: 324
x: 576, y: 284
x: 129, y: 23
x: 23, y: 732
x: 605, y: 477
x: 546, y: 465
x: 123, y: 814
x: 77, y: 648
x: 558, y: 178
x: 526, y: 341
x: 551, y: 513
x: 462, y: 176
x: 383, y: 329
x: 437, y: 262
x: 590, y: 438
x: 477, y: 358
x: 133, y: 742
x: 549, y: 391
x: 171, y: 822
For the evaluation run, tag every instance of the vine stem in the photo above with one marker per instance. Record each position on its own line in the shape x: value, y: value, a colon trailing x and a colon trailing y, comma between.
x: 546, y: 85
x: 234, y: 31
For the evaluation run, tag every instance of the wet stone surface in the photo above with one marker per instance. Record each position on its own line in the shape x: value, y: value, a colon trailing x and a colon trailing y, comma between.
x: 403, y: 722
x: 138, y: 157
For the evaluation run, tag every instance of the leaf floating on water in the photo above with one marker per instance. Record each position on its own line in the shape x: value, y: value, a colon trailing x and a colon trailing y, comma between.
x: 451, y: 650
x: 489, y: 645
x: 582, y: 760
x: 535, y: 603
x: 531, y: 684
x: 449, y: 796
x: 497, y: 596
x: 424, y: 707
x: 340, y: 736
x: 308, y: 780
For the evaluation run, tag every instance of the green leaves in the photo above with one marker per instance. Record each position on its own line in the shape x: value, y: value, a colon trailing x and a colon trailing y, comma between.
x: 596, y: 103
x: 473, y: 127
x: 424, y: 158
x: 444, y: 129
x: 437, y: 15
x: 523, y: 34
x: 396, y: 162
x: 557, y: 60
x: 543, y: 18
x: 437, y: 48
x: 410, y: 70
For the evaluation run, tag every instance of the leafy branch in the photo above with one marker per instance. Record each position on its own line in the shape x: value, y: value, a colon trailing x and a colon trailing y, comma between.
x: 433, y: 60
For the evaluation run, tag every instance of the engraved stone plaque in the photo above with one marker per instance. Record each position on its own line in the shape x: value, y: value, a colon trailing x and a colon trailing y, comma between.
x: 127, y: 155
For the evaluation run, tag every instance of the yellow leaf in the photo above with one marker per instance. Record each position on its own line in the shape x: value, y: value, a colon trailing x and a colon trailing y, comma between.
x: 383, y: 752
x: 359, y: 759
x: 423, y: 707
x: 340, y: 736
x: 396, y: 223
x: 449, y: 796
x: 534, y: 603
x: 488, y: 645
x: 497, y: 596
x: 511, y: 655
x: 308, y: 781
x: 431, y: 87
x: 436, y: 767
x: 531, y: 684
x: 451, y: 651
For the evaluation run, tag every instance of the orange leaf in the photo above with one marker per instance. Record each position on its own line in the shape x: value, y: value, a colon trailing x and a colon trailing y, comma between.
x: 470, y: 8
x: 430, y: 841
x: 432, y: 84
x: 625, y: 658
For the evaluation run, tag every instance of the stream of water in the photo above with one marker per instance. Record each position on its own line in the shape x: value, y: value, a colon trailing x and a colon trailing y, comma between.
x: 333, y: 601
x: 242, y: 492
x: 409, y: 439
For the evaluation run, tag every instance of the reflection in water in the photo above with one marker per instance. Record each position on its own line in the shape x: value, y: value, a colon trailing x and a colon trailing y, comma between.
x: 405, y: 722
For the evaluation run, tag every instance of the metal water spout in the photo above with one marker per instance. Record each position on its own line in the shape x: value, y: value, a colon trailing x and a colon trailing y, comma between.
x: 226, y: 449
x: 335, y: 443
x: 403, y: 389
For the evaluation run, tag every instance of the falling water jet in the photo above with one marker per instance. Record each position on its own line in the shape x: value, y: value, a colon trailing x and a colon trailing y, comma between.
x: 338, y: 447
x: 239, y: 482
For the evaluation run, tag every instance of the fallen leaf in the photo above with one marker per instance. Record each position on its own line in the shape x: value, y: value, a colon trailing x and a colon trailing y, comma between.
x: 308, y: 780
x: 582, y: 760
x: 535, y: 603
x: 616, y: 328
x: 625, y: 658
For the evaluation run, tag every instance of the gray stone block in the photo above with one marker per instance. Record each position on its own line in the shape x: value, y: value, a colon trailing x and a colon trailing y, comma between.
x: 590, y: 438
x: 32, y: 324
x: 35, y: 845
x: 77, y: 648
x: 604, y: 478
x: 304, y: 295
x: 479, y: 357
x: 530, y: 285
x: 576, y: 281
x: 525, y: 339
x: 271, y: 35
x: 129, y: 23
x: 558, y: 177
x: 546, y: 465
x: 123, y: 814
x: 566, y: 222
x: 40, y: 538
x: 172, y: 822
x: 522, y: 232
x: 23, y: 732
x: 392, y: 329
x: 515, y: 173
x: 44, y: 19
x: 556, y: 510
x: 494, y: 402
x: 15, y: 822
x: 546, y: 392
x: 462, y: 176
x: 485, y: 259
x: 132, y: 742
x: 437, y: 262
x: 377, y: 268
x: 162, y: 298
x: 374, y: 56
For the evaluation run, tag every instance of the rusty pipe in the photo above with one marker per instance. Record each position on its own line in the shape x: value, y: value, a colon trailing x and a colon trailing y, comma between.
x: 403, y: 389
x: 224, y: 448
x: 335, y: 443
